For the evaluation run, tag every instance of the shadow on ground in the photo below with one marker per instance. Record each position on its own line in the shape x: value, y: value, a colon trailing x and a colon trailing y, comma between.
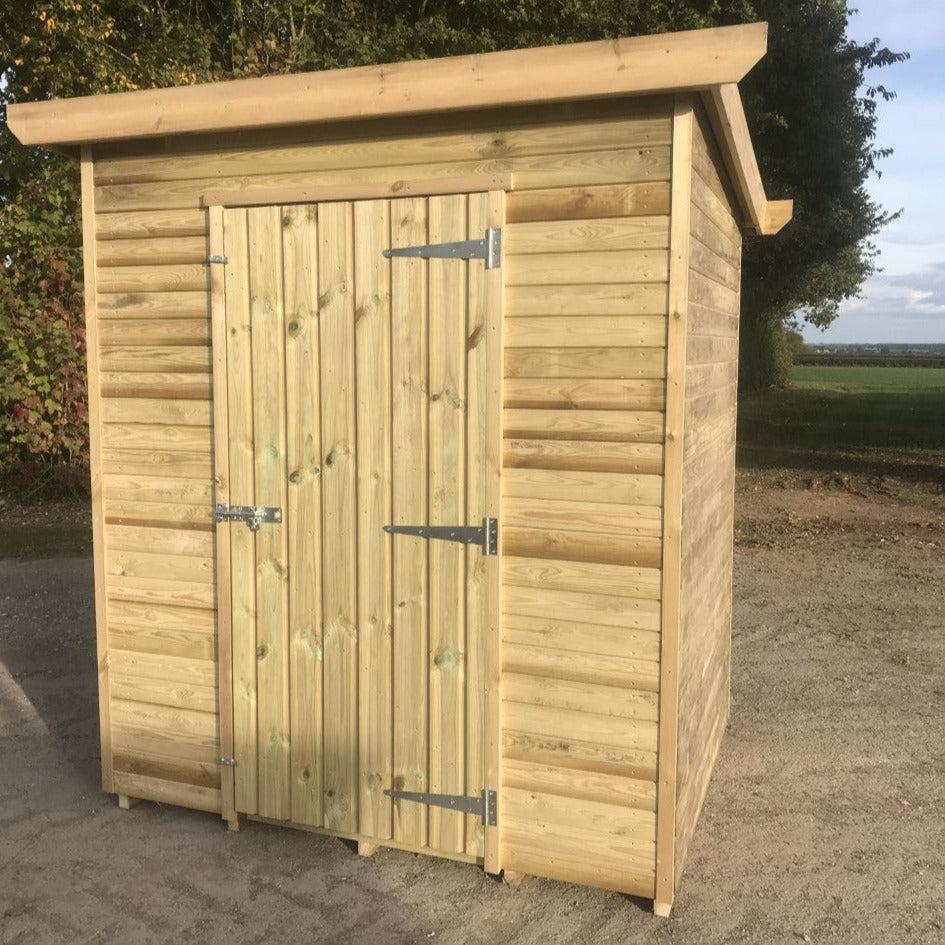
x: 880, y: 434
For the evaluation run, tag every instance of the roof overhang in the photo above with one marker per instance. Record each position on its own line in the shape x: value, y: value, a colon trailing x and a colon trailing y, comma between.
x: 711, y: 61
x: 727, y: 116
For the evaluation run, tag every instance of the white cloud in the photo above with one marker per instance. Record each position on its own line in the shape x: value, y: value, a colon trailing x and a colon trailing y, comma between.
x: 907, y: 307
x: 919, y: 294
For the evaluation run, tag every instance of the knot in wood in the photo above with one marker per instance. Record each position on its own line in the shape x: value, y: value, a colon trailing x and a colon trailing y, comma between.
x: 447, y: 659
x: 474, y: 338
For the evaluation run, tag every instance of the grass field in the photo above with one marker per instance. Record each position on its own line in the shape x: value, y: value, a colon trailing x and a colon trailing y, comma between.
x: 877, y: 421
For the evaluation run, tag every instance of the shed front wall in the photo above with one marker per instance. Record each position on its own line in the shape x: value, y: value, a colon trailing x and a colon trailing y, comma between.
x: 586, y: 264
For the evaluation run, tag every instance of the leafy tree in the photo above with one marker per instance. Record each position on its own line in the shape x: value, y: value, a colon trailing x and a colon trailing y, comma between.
x: 813, y: 123
x: 42, y: 337
x: 55, y: 50
x: 814, y: 128
x: 795, y: 342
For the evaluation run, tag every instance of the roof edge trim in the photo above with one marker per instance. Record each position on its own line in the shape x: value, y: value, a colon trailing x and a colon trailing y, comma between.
x: 727, y: 117
x: 660, y: 63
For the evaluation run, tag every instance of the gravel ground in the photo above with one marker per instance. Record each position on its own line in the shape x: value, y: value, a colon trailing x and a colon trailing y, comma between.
x: 824, y: 822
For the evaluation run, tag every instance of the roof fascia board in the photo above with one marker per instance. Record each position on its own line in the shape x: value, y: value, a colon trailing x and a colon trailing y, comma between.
x: 723, y: 104
x: 667, y: 62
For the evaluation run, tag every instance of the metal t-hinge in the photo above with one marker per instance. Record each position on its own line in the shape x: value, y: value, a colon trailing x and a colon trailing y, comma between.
x: 488, y: 248
x: 227, y: 762
x: 485, y: 535
x: 486, y: 805
x: 252, y: 515
x: 222, y: 260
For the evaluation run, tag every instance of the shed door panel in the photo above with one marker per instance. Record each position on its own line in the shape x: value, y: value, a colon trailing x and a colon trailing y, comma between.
x: 362, y: 391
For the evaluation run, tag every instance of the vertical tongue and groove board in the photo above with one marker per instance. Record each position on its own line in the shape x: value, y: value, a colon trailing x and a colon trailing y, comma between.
x: 363, y: 391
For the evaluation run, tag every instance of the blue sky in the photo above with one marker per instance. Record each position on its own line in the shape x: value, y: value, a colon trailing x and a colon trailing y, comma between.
x: 906, y: 301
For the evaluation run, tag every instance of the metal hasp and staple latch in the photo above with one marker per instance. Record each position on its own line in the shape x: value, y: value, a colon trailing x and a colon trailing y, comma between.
x: 488, y: 248
x: 486, y: 805
x: 227, y: 762
x: 485, y: 535
x: 252, y: 515
x: 220, y: 260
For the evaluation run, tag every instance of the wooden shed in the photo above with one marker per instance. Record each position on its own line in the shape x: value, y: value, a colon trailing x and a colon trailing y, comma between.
x: 412, y: 409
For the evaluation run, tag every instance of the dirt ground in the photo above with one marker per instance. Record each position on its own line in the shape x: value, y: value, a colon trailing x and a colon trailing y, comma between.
x: 824, y: 822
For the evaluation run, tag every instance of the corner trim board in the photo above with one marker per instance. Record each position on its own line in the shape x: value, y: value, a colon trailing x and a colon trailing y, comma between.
x: 670, y: 611
x: 221, y: 482
x: 87, y: 176
x: 494, y: 396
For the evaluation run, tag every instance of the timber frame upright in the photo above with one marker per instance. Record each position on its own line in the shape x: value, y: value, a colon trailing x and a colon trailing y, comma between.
x: 412, y: 400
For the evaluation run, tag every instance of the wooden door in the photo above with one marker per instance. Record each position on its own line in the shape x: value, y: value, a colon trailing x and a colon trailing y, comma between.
x: 359, y: 391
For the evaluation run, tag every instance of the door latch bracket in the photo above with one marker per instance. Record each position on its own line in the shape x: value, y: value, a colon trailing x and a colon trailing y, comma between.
x: 252, y: 515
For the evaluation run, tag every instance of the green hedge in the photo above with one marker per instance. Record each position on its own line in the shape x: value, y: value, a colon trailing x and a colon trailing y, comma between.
x: 765, y: 353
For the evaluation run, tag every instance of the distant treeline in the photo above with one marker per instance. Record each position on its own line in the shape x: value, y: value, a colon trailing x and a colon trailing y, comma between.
x: 872, y: 359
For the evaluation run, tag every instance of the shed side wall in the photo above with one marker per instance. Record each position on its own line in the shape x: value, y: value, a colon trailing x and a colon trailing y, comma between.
x: 708, y: 480
x: 586, y: 262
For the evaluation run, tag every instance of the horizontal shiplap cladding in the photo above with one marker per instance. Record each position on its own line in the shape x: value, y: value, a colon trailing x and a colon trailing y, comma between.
x: 155, y: 384
x: 483, y: 134
x: 586, y: 257
x: 648, y: 199
x: 585, y: 661
x: 606, y: 149
x: 593, y: 394
x: 189, y: 245
x: 541, y: 171
x: 577, y: 455
x: 629, y: 426
x: 585, y: 336
x: 568, y: 782
x: 587, y: 235
x: 170, y: 250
